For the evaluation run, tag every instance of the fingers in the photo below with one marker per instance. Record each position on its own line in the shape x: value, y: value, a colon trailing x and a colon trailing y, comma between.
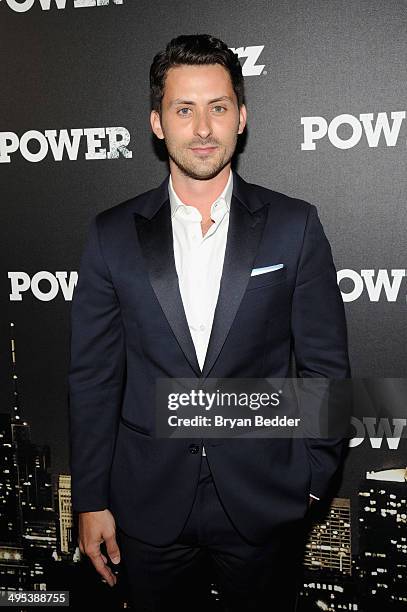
x: 99, y: 561
x: 95, y: 528
x: 101, y: 566
x: 112, y: 549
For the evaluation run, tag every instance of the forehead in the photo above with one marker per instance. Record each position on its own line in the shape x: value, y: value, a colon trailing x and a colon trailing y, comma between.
x: 197, y: 81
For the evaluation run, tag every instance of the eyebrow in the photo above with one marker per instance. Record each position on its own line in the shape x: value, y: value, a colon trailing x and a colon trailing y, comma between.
x: 181, y: 101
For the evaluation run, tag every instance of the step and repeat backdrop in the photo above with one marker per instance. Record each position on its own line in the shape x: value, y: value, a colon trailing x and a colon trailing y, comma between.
x: 326, y: 95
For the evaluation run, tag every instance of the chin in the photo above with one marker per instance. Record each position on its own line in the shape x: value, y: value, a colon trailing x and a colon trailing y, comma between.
x: 207, y: 174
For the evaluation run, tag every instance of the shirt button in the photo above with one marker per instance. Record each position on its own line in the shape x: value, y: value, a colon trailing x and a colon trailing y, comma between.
x: 202, y: 327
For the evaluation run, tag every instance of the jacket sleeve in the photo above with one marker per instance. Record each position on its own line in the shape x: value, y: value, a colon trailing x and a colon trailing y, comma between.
x: 319, y: 334
x: 95, y: 378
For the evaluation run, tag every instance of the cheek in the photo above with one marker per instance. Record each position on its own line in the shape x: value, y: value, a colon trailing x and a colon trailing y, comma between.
x: 176, y: 131
x: 227, y: 134
x: 177, y: 140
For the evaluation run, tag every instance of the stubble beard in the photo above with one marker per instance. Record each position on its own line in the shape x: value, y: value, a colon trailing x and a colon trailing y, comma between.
x: 196, y: 168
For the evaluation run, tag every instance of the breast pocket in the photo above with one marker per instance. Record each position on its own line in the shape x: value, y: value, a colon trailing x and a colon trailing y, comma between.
x: 267, y: 279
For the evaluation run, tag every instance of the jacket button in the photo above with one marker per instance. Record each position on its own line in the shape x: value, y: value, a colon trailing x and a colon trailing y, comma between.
x: 193, y: 448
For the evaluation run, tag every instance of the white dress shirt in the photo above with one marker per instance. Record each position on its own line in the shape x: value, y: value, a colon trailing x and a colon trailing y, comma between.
x: 199, y: 262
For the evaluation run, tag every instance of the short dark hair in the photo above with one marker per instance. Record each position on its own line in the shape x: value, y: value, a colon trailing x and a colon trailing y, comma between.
x: 194, y: 49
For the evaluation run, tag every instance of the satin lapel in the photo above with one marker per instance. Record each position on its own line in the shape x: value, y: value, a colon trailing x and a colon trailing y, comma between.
x: 156, y: 242
x: 247, y: 219
x: 244, y: 234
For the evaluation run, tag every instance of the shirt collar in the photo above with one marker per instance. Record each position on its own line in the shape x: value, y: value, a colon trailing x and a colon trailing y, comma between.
x: 225, y: 197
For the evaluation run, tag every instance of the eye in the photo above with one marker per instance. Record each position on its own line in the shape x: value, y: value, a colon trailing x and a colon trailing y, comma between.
x: 182, y: 109
x: 220, y: 107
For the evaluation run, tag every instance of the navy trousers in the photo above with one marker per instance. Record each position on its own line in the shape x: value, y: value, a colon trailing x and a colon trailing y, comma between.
x: 211, y: 555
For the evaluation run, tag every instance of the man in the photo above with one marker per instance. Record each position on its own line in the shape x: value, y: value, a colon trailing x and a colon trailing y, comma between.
x: 166, y: 290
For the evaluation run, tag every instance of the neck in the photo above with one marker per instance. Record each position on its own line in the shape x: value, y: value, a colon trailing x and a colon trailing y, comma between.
x: 199, y: 193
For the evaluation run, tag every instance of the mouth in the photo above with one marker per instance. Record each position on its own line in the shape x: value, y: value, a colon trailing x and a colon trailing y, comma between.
x: 203, y: 150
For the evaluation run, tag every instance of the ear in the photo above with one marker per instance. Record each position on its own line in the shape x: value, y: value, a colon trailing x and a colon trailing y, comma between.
x: 242, y: 118
x: 155, y: 122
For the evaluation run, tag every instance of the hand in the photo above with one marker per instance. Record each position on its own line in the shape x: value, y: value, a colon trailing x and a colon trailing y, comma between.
x: 311, y: 500
x: 94, y: 528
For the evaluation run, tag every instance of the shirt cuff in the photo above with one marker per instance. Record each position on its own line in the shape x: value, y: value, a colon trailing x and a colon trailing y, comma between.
x: 314, y: 496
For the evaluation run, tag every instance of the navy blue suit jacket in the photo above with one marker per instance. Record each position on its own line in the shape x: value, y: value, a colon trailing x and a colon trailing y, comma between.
x: 128, y: 327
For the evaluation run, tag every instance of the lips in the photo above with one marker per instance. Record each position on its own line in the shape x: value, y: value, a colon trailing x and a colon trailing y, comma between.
x: 203, y: 150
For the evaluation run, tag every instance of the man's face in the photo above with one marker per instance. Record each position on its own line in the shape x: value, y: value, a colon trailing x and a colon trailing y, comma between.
x: 199, y: 109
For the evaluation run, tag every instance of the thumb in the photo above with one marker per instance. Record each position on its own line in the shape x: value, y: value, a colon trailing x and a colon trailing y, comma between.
x: 112, y: 549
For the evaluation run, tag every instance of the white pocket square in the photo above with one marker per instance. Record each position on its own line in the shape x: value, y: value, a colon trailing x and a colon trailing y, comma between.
x: 265, y: 269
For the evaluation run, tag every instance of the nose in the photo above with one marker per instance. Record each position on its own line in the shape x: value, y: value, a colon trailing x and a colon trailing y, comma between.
x: 203, y: 126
